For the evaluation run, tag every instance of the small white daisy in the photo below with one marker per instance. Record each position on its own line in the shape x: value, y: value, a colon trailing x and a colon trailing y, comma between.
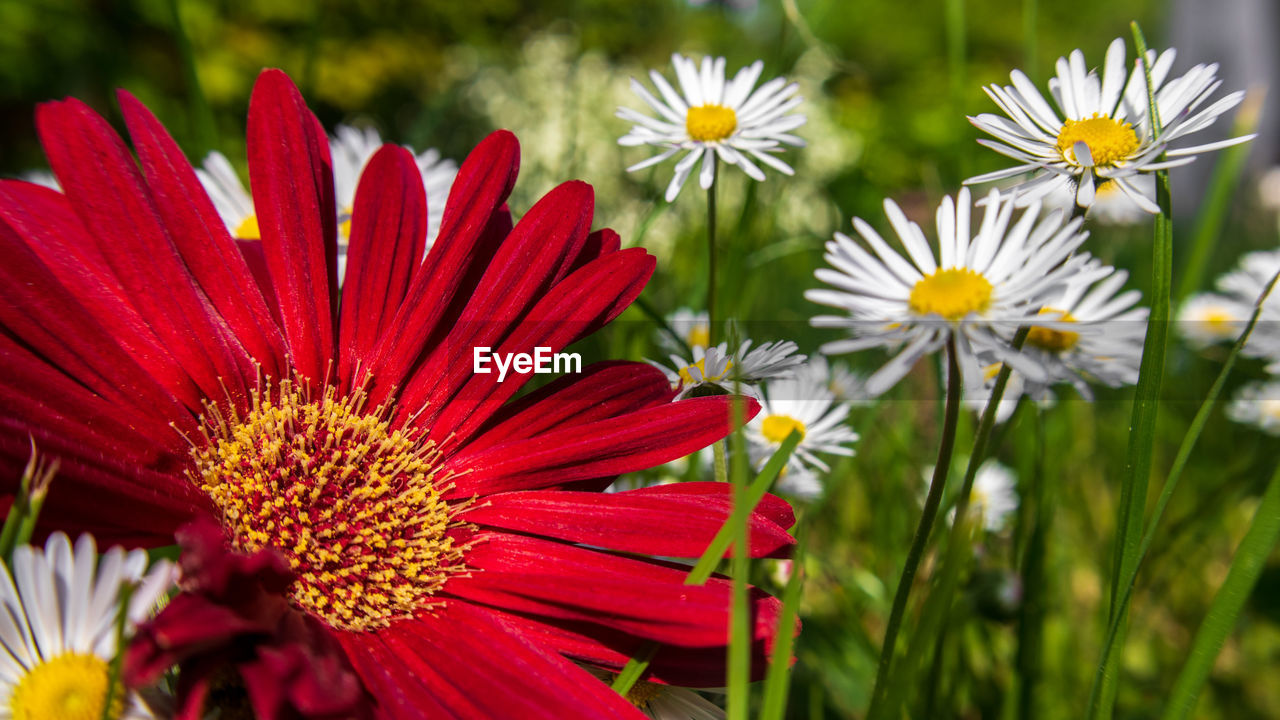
x: 717, y: 370
x: 1245, y: 285
x: 804, y: 403
x: 976, y: 396
x: 994, y: 495
x: 664, y: 702
x: 1105, y: 133
x: 1257, y: 404
x: 1110, y: 205
x: 350, y: 149
x: 711, y: 118
x: 980, y: 291
x: 691, y: 326
x: 848, y: 385
x: 1208, y: 319
x: 59, y: 631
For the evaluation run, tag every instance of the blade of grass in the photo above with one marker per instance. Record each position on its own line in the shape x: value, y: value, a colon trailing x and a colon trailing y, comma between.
x: 204, y: 130
x: 706, y: 564
x: 739, y: 659
x: 1246, y: 566
x: 711, y: 254
x: 1146, y: 402
x: 113, y: 670
x: 20, y: 523
x: 1038, y: 498
x: 880, y: 691
x: 1030, y: 13
x: 634, y: 669
x: 1171, y: 483
x: 777, y: 683
x: 1227, y: 172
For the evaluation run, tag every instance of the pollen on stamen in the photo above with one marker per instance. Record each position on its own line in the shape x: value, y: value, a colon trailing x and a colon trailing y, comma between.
x: 354, y: 506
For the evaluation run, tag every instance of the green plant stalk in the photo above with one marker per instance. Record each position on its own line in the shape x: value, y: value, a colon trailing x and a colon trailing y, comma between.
x: 712, y: 335
x: 1171, y: 483
x: 938, y: 605
x: 113, y: 670
x: 777, y: 681
x: 20, y: 523
x: 1246, y: 566
x: 1030, y: 18
x: 1031, y: 615
x: 1227, y: 172
x: 634, y: 669
x: 663, y: 325
x: 706, y: 564
x: 951, y: 414
x: 739, y: 659
x: 204, y: 129
x: 1146, y: 403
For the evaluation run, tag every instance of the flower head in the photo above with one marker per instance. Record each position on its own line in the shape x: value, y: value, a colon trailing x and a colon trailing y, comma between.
x: 1257, y: 404
x: 59, y: 631
x: 994, y: 495
x: 710, y: 118
x: 437, y: 529
x: 1105, y: 133
x: 978, y: 290
x: 1208, y: 319
x: 716, y: 370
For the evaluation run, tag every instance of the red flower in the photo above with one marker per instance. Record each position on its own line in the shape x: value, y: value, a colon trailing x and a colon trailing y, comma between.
x: 453, y: 541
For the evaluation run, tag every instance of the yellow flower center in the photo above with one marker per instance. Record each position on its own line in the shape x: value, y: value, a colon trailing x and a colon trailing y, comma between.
x: 1108, y: 140
x: 643, y: 693
x: 248, y: 229
x: 709, y: 123
x: 1050, y: 339
x: 1218, y: 320
x: 776, y: 428
x: 951, y: 293
x: 699, y: 336
x: 344, y: 226
x: 686, y: 372
x: 354, y: 506
x: 68, y: 687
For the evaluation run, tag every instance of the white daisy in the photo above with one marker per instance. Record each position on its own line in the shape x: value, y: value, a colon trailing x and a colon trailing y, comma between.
x: 981, y: 290
x: 711, y: 118
x: 716, y: 371
x: 803, y: 403
x: 59, y: 631
x: 1208, y: 319
x: 1110, y: 205
x: 1257, y: 404
x: 691, y: 326
x: 848, y: 385
x: 976, y: 396
x: 1106, y: 131
x: 1245, y: 285
x: 664, y: 702
x: 994, y: 495
x: 350, y: 149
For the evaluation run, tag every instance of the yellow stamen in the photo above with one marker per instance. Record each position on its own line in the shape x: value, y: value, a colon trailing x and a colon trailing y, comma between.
x: 248, y: 229
x: 699, y: 336
x: 686, y: 374
x: 1109, y: 140
x: 69, y: 687
x: 951, y: 293
x: 1050, y: 339
x: 353, y: 505
x: 643, y: 693
x: 776, y: 428
x: 709, y: 123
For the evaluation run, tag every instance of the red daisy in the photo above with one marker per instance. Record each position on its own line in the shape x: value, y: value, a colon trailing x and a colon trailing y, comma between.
x: 451, y: 540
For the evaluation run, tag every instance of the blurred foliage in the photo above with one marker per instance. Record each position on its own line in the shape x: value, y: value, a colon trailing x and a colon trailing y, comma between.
x: 886, y: 118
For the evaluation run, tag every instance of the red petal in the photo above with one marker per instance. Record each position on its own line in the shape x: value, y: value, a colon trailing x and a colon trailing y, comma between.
x: 202, y: 238
x: 292, y: 182
x: 388, y: 230
x: 651, y: 523
x: 638, y: 597
x: 635, y: 441
x: 471, y: 229
x: 398, y: 683
x: 603, y: 390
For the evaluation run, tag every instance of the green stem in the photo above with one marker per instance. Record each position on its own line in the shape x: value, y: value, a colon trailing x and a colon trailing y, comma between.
x: 1246, y: 566
x: 1146, y: 402
x: 634, y: 669
x: 921, y: 538
x: 1030, y: 11
x: 1037, y: 501
x: 1171, y: 483
x: 739, y: 653
x: 778, y: 680
x: 712, y: 335
x: 204, y: 129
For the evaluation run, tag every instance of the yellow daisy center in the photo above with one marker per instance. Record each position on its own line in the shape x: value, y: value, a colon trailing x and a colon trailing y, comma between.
x: 951, y: 293
x: 1050, y: 339
x: 354, y: 506
x: 344, y: 226
x: 699, y: 336
x: 686, y: 372
x: 248, y: 229
x: 643, y: 693
x: 69, y: 687
x: 709, y: 123
x: 1218, y: 320
x: 1109, y: 140
x: 776, y: 428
